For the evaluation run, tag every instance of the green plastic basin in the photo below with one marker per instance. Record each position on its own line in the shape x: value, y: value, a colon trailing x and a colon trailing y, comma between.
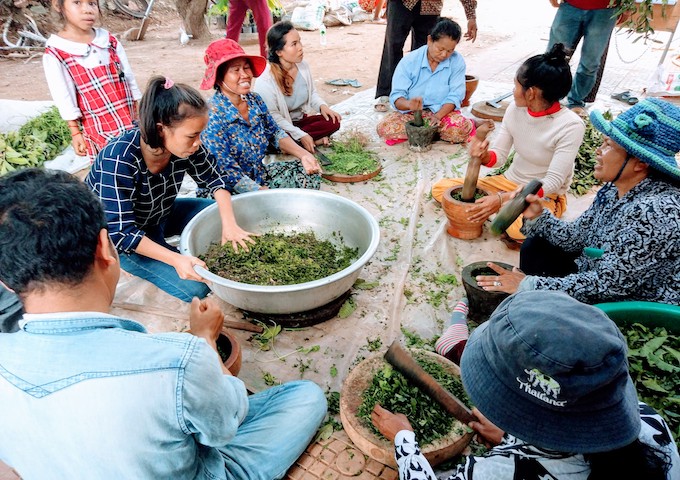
x: 649, y: 314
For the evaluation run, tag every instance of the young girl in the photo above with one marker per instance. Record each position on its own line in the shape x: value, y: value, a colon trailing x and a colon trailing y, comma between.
x: 137, y: 176
x: 89, y: 78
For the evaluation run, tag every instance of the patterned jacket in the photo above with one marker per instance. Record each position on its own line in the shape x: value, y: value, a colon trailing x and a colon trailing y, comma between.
x: 515, y: 459
x: 640, y: 237
x: 239, y: 146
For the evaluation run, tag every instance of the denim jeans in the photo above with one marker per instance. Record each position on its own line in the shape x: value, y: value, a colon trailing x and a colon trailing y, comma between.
x: 161, y: 274
x: 281, y: 422
x: 569, y: 26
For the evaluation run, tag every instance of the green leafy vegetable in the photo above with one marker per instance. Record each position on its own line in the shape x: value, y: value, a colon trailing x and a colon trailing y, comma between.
x: 39, y: 140
x: 654, y: 364
x: 350, y: 157
x: 391, y: 390
x: 280, y: 259
x: 347, y: 308
x: 362, y: 284
x: 584, y: 165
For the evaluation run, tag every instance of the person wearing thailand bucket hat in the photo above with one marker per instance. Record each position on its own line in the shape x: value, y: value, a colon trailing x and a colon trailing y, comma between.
x: 549, y: 378
x: 626, y: 245
x: 240, y: 128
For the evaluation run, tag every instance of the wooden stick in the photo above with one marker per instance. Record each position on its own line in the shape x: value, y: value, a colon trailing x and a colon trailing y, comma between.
x: 472, y: 171
x: 237, y: 324
x: 404, y: 363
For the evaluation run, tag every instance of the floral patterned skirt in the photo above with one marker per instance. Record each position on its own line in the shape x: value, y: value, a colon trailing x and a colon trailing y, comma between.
x: 291, y: 175
x: 454, y: 127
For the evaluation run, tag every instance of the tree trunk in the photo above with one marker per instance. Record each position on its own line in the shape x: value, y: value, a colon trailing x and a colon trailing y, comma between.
x: 192, y: 13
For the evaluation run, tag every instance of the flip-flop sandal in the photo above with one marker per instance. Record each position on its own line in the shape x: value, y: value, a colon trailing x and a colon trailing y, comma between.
x: 382, y: 104
x: 626, y: 97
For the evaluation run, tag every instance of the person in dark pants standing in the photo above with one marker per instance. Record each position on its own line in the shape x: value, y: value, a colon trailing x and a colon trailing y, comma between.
x: 417, y: 17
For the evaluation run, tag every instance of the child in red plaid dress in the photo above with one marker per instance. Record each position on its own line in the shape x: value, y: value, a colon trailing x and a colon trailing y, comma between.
x: 89, y: 78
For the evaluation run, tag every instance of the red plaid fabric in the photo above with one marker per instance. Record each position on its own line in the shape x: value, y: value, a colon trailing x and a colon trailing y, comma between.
x: 104, y: 97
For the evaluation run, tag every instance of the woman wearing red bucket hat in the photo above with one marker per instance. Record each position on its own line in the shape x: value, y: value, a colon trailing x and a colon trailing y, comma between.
x: 240, y: 128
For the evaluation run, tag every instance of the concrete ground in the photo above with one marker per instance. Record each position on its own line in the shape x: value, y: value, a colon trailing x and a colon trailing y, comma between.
x: 414, y: 244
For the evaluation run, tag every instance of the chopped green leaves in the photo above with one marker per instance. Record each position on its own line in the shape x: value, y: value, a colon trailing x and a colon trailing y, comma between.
x: 280, y: 259
x: 654, y: 364
x: 394, y: 392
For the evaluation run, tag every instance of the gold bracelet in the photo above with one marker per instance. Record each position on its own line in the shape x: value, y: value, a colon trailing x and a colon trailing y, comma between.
x: 500, y: 198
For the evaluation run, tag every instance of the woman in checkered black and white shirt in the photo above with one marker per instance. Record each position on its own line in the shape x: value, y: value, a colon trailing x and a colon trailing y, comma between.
x: 138, y: 175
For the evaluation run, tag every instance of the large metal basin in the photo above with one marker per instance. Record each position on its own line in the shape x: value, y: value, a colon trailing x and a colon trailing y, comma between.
x: 286, y: 210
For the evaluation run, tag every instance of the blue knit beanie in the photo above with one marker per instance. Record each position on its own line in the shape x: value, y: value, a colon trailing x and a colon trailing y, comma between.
x: 649, y: 131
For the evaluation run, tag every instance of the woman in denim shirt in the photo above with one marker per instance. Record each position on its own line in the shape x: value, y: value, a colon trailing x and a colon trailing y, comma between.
x: 240, y: 128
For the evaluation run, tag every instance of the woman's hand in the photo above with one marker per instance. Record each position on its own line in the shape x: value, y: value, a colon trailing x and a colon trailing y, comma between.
x: 329, y: 114
x: 310, y: 163
x: 184, y: 265
x: 535, y: 207
x: 78, y: 142
x: 307, y: 143
x: 478, y: 148
x: 490, y: 434
x: 483, y: 208
x: 237, y: 236
x: 471, y: 34
x: 506, y: 281
x: 416, y: 103
x: 388, y: 423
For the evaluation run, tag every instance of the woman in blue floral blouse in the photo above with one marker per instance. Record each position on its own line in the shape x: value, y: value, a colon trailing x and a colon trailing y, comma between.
x: 240, y: 127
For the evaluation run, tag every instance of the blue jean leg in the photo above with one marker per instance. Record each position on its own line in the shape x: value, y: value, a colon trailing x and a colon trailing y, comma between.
x: 161, y: 274
x: 281, y: 422
x: 572, y: 24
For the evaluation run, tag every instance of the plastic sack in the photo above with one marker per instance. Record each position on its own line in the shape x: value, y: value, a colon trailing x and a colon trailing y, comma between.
x: 309, y: 17
x: 664, y: 83
x: 339, y: 16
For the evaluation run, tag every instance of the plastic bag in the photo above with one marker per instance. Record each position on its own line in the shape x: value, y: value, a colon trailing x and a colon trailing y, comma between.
x: 309, y: 17
x: 339, y: 16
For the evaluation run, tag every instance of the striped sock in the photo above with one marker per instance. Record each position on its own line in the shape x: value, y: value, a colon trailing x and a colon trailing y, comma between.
x: 457, y: 330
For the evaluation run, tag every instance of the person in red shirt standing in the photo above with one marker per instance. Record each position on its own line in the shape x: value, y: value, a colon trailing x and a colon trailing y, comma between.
x: 592, y: 21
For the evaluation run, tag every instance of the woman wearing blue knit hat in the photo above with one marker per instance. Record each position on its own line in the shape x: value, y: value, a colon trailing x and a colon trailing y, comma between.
x: 626, y: 245
x: 549, y: 375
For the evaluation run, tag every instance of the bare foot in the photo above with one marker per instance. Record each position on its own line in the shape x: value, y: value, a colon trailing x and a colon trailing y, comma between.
x: 484, y: 127
x: 325, y: 141
x: 379, y: 21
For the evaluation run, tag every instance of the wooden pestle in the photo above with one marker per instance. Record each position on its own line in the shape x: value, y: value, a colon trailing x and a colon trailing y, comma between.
x: 472, y: 171
x: 400, y: 359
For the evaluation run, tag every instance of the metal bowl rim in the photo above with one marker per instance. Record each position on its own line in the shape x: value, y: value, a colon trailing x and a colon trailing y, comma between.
x: 249, y: 287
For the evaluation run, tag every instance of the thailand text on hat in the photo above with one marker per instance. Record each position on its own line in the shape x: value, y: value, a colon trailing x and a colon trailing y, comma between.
x: 650, y: 131
x: 552, y: 371
x: 221, y: 51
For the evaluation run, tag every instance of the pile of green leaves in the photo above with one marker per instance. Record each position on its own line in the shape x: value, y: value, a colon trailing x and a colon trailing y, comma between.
x: 279, y: 259
x: 654, y: 363
x: 39, y: 140
x: 395, y: 393
x: 350, y: 157
x: 584, y: 164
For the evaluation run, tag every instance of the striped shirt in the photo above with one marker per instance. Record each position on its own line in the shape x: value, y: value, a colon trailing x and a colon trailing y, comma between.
x: 134, y: 198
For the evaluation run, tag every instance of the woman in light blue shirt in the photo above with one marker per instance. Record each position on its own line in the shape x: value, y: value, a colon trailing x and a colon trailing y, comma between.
x: 431, y: 78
